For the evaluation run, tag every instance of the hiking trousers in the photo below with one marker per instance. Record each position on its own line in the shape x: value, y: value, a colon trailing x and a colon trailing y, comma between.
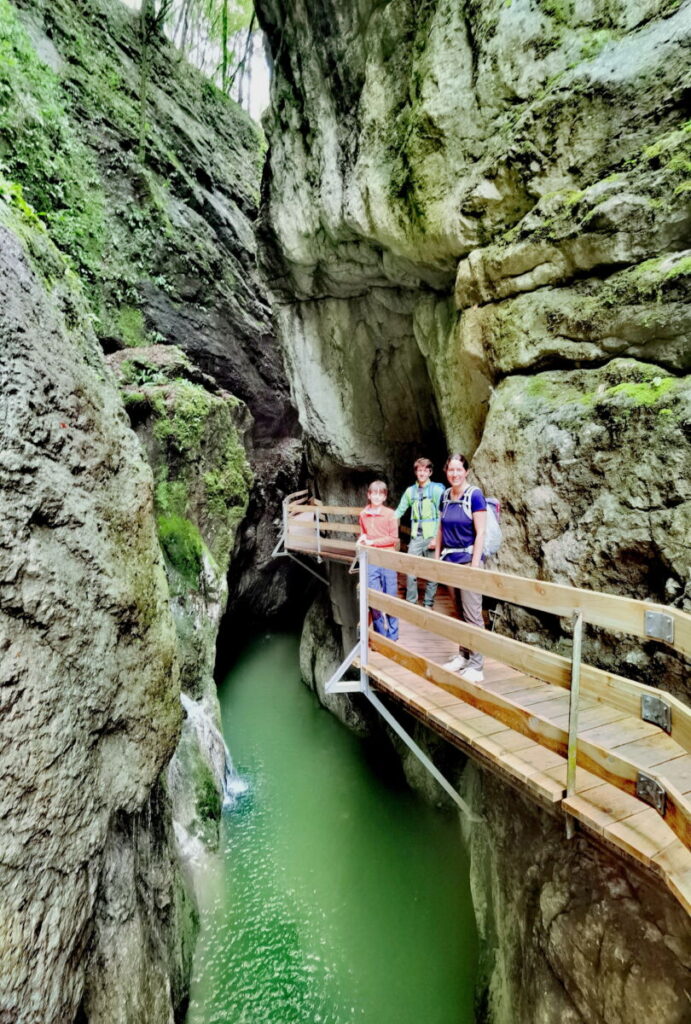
x: 420, y: 546
x: 386, y: 581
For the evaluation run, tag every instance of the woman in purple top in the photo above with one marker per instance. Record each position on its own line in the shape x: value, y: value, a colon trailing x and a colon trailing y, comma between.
x: 461, y: 539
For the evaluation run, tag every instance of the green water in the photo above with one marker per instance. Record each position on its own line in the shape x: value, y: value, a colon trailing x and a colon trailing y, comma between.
x: 339, y: 895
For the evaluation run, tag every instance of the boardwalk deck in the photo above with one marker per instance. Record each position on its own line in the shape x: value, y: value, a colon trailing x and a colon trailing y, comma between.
x: 516, y: 722
x: 610, y: 816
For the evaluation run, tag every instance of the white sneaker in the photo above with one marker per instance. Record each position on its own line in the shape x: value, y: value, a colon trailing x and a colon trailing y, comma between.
x: 473, y: 675
x: 456, y: 664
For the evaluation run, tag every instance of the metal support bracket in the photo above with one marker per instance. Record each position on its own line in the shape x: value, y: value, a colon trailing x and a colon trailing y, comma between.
x: 660, y: 626
x: 574, y: 696
x: 336, y: 683
x: 654, y: 709
x: 421, y: 756
x: 308, y: 568
x: 651, y: 792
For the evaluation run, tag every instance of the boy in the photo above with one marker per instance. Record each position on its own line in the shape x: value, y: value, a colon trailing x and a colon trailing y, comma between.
x: 423, y: 499
x: 380, y: 530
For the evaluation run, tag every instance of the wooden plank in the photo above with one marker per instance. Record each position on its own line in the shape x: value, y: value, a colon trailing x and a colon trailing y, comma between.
x: 298, y: 541
x: 650, y: 750
x: 591, y: 755
x: 334, y: 510
x: 615, y: 734
x: 616, y: 691
x: 601, y: 806
x: 302, y: 526
x: 674, y: 864
x: 642, y: 835
x: 609, y: 610
x: 677, y: 771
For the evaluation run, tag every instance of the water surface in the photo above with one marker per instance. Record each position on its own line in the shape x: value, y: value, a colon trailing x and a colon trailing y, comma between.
x: 339, y: 896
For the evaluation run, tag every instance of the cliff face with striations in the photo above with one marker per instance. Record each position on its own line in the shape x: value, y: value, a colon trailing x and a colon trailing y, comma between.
x: 477, y: 223
x: 94, y: 912
x: 126, y: 230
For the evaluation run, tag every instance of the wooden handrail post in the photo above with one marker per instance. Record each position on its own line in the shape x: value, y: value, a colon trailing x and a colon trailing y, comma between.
x: 573, y: 713
x: 364, y: 617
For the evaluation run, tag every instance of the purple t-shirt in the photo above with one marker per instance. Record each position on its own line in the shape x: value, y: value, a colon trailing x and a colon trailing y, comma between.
x: 458, y: 530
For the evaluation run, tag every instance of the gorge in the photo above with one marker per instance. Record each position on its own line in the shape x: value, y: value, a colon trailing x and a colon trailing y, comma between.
x: 468, y: 227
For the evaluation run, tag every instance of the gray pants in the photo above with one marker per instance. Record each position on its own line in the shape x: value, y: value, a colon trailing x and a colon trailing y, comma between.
x: 471, y: 612
x: 420, y: 546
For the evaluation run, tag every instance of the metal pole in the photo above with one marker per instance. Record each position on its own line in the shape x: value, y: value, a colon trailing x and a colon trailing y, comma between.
x: 573, y: 714
x: 364, y: 616
x: 421, y: 756
x: 316, y: 520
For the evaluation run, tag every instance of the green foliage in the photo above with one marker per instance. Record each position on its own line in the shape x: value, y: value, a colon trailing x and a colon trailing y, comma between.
x: 54, y: 174
x: 13, y: 193
x: 182, y: 545
x: 140, y: 373
x: 182, y: 427
x: 224, y: 22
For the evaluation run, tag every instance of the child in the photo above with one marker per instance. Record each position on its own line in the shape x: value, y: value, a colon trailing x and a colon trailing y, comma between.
x: 423, y: 499
x: 380, y: 530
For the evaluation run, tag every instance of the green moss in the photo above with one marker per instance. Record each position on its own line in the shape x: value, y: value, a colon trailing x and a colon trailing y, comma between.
x: 43, y: 154
x: 593, y: 42
x: 182, y: 545
x: 559, y: 10
x: 171, y: 496
x: 647, y: 392
x: 130, y: 326
x: 207, y: 797
x: 182, y: 429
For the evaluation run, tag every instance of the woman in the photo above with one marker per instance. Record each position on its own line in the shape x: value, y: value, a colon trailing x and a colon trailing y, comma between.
x: 461, y: 539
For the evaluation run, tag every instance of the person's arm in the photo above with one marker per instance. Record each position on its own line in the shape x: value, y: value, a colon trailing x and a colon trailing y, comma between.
x: 362, y: 539
x: 403, y: 505
x: 479, y: 523
x: 437, y: 543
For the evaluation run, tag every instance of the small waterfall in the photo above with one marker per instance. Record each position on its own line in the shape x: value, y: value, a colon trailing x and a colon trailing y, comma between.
x: 211, y: 743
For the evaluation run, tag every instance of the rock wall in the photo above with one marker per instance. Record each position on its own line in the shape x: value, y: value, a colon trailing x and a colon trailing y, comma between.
x: 156, y: 206
x: 511, y: 182
x: 93, y: 914
x: 128, y: 229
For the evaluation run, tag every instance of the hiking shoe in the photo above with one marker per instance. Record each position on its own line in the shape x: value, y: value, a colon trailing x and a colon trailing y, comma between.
x: 473, y: 675
x: 456, y: 664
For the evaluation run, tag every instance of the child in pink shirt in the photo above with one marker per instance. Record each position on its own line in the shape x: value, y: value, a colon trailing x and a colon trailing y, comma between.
x: 379, y: 527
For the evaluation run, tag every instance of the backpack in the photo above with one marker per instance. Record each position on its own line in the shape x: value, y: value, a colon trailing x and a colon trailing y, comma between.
x: 493, y: 536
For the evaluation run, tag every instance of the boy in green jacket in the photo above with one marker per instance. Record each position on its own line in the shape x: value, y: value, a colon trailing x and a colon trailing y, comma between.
x: 423, y: 499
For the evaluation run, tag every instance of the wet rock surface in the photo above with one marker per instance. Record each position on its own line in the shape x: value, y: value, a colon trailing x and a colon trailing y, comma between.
x: 90, y: 679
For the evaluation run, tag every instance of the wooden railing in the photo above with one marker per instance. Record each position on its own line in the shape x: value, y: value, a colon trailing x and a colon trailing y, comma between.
x: 309, y: 527
x: 643, y: 619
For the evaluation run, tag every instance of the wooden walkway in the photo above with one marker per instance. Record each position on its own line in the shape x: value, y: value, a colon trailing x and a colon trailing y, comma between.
x: 516, y: 722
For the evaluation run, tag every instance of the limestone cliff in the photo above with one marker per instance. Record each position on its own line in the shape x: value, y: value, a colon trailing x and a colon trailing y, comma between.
x: 128, y: 227
x: 155, y: 204
x: 94, y: 914
x: 477, y: 224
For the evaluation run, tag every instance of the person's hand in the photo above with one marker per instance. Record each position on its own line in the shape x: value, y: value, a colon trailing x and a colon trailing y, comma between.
x: 432, y: 545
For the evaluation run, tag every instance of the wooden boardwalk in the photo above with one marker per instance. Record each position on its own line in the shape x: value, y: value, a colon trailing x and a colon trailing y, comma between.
x: 619, y: 820
x: 516, y: 722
